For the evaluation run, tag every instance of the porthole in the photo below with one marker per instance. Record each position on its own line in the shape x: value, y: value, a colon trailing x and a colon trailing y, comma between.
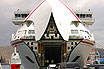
x: 32, y: 48
x: 35, y: 48
x: 68, y: 48
x: 76, y: 43
x: 14, y: 54
x: 71, y: 43
x: 72, y: 47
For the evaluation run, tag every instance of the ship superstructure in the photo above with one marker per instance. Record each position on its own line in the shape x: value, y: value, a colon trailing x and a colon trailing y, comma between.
x: 51, y: 37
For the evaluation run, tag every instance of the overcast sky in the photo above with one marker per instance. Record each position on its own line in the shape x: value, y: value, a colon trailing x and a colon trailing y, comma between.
x: 7, y: 8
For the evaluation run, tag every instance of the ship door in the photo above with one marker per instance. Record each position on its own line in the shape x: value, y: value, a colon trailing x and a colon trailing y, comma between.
x: 52, y: 55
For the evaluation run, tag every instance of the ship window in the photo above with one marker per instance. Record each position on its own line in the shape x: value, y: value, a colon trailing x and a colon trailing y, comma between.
x: 17, y: 15
x: 76, y: 43
x: 87, y: 32
x: 77, y: 15
x: 19, y: 31
x: 31, y: 48
x: 84, y: 25
x: 35, y: 48
x: 51, y: 26
x: 14, y: 54
x: 32, y: 43
x: 71, y: 43
x: 68, y: 48
x: 18, y: 36
x: 28, y: 43
x: 82, y: 15
x: 74, y: 31
x: 31, y: 32
x: 24, y: 15
x: 82, y: 30
x: 89, y: 15
x: 25, y: 31
x: 72, y: 47
x: 22, y: 24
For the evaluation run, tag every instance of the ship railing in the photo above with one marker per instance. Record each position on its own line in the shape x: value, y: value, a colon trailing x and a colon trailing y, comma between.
x: 15, y: 61
x: 28, y: 37
x: 75, y: 37
x: 18, y: 18
x: 88, y: 19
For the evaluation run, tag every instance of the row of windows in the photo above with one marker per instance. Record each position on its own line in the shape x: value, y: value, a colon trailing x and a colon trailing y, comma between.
x: 72, y: 47
x: 84, y: 15
x: 74, y: 31
x: 31, y: 43
x: 31, y: 32
x: 21, y: 15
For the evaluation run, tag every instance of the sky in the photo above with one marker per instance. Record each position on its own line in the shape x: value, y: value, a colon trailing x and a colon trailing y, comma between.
x: 7, y: 8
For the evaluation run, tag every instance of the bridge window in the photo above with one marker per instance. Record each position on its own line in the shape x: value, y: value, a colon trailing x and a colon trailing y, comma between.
x: 82, y: 15
x: 77, y: 15
x: 24, y: 15
x: 17, y: 15
x: 89, y: 15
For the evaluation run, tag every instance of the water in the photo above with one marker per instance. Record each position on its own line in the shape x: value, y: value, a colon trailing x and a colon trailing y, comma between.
x: 5, y: 67
x: 8, y: 67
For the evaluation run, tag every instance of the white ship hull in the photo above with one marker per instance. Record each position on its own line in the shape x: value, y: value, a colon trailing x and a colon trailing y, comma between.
x: 47, y: 34
x: 28, y: 58
x: 80, y: 52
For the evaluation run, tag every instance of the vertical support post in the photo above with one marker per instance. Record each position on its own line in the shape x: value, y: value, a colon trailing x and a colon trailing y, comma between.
x: 64, y: 47
x: 40, y: 48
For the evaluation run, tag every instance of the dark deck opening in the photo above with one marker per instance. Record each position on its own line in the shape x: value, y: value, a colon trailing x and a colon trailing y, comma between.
x: 52, y: 55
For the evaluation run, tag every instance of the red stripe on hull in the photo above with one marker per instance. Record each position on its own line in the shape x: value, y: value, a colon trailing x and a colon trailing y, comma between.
x: 70, y: 11
x: 35, y: 10
x: 17, y: 43
x: 87, y: 43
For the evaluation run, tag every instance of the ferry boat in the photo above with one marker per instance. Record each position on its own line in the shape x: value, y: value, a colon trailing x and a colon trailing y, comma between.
x: 15, y: 61
x: 52, y: 33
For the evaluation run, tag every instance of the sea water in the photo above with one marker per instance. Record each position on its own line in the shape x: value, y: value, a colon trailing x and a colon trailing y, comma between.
x: 8, y: 67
